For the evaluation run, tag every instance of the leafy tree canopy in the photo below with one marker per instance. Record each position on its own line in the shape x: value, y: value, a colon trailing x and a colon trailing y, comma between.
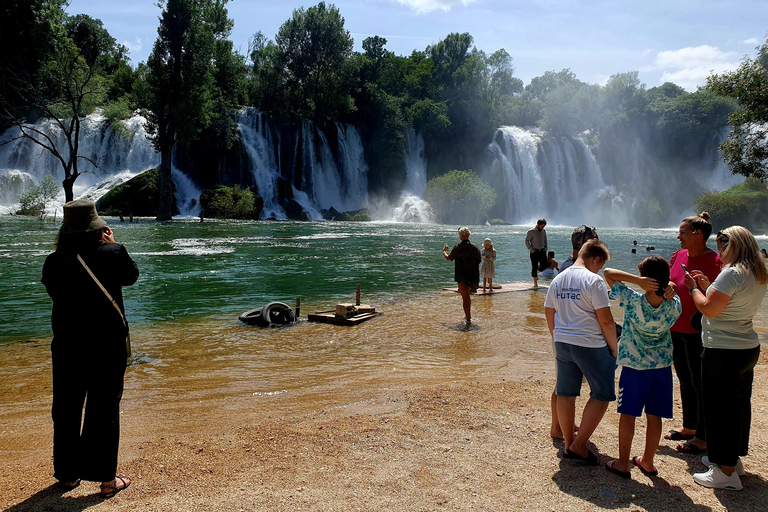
x: 746, y: 148
x: 459, y: 197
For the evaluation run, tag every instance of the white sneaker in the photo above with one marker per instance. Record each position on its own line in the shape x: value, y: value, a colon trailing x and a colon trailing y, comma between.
x: 716, y: 479
x: 739, y: 466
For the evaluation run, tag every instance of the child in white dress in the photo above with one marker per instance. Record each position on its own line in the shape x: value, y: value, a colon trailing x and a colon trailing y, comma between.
x: 488, y: 268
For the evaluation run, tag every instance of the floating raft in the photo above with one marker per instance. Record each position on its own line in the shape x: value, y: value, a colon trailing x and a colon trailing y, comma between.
x: 504, y: 288
x: 345, y: 314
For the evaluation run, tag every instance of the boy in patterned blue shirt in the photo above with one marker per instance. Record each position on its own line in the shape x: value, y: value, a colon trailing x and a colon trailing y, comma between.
x: 645, y: 354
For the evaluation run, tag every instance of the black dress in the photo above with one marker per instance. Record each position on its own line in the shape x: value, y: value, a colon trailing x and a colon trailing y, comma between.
x: 467, y: 259
x: 89, y: 359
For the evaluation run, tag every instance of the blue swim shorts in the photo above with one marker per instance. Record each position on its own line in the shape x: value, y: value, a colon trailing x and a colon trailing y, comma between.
x: 596, y: 364
x: 649, y: 389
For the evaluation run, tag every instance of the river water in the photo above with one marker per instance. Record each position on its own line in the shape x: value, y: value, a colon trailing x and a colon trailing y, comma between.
x: 192, y: 354
x: 213, y: 271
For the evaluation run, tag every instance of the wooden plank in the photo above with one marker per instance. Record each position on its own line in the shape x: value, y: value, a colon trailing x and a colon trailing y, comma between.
x: 505, y: 288
x: 329, y: 317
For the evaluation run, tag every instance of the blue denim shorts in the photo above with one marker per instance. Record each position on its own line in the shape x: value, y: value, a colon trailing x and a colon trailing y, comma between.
x: 596, y: 364
x: 649, y: 389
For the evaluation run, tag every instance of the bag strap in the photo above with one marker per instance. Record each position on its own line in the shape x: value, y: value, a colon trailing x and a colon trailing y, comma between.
x: 125, y: 323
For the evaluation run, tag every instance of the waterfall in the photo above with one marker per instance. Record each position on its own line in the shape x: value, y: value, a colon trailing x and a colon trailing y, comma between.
x: 536, y: 176
x: 412, y: 208
x: 415, y: 163
x: 321, y: 175
x: 120, y: 155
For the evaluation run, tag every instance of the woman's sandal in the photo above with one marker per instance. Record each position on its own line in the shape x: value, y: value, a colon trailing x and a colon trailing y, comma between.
x: 689, y: 447
x: 69, y: 485
x: 110, y: 489
x: 676, y: 435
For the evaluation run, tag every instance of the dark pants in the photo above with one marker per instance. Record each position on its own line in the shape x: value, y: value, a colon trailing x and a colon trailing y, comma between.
x: 90, y: 452
x: 686, y: 353
x: 726, y: 377
x: 538, y: 261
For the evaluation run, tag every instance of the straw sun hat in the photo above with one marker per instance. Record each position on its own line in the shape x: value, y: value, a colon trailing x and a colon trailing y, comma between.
x: 487, y: 242
x: 80, y: 216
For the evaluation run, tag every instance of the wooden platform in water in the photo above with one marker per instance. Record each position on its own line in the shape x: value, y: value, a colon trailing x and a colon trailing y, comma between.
x: 329, y: 317
x: 504, y: 288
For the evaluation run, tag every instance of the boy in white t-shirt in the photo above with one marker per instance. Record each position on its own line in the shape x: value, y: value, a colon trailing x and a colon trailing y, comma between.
x: 645, y: 355
x: 584, y: 335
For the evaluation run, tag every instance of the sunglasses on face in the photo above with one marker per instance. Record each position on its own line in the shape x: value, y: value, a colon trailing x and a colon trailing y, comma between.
x: 723, y: 239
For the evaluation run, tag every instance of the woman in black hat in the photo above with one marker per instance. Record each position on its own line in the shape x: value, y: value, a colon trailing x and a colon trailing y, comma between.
x: 89, y: 350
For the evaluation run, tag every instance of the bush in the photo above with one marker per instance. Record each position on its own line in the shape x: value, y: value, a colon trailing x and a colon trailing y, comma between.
x: 459, y: 197
x: 37, y: 197
x: 745, y: 205
x: 224, y: 202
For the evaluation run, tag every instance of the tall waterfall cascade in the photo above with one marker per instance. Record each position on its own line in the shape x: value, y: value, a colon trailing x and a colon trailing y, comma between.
x: 412, y: 208
x: 321, y: 176
x: 536, y: 176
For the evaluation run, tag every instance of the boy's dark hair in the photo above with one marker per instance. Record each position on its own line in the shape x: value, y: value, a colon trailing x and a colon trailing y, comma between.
x: 656, y: 268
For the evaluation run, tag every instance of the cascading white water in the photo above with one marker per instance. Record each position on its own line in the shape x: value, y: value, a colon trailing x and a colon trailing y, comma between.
x: 120, y: 155
x: 553, y: 177
x: 412, y: 207
x: 415, y: 163
x: 324, y: 178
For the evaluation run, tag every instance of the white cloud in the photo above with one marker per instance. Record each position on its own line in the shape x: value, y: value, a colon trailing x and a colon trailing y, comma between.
x: 689, y: 67
x: 751, y: 40
x: 134, y: 48
x: 422, y: 6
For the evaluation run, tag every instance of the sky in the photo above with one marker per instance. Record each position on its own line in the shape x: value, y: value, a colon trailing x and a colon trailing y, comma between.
x: 680, y: 41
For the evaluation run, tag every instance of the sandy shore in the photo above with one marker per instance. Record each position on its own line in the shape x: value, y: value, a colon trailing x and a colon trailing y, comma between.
x: 423, y: 440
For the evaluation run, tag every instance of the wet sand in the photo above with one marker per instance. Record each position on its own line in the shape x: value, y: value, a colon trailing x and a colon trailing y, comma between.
x: 408, y: 411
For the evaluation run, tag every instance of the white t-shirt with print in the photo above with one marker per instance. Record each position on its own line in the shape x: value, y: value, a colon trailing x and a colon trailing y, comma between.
x: 575, y: 295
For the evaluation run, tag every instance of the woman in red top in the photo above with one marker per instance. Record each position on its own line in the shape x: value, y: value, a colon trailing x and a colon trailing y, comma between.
x: 686, y: 337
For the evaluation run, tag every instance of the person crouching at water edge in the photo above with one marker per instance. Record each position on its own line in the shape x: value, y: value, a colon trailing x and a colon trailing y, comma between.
x: 466, y: 273
x: 583, y: 332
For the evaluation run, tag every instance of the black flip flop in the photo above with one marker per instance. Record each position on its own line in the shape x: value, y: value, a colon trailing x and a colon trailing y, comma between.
x: 655, y: 472
x: 590, y: 459
x: 676, y: 435
x: 622, y: 474
x: 690, y: 448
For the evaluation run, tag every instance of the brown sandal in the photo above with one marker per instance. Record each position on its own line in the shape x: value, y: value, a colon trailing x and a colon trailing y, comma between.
x: 110, y: 489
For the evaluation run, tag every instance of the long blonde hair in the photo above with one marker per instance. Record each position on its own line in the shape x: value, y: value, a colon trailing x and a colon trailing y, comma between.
x: 743, y: 253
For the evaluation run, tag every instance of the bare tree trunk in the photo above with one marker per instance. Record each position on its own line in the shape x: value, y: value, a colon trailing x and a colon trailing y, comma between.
x: 165, y: 208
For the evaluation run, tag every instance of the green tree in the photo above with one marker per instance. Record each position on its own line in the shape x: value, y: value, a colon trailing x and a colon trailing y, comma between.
x: 745, y: 204
x: 66, y: 90
x: 37, y: 198
x: 460, y: 197
x: 746, y: 148
x: 180, y: 80
x: 314, y: 52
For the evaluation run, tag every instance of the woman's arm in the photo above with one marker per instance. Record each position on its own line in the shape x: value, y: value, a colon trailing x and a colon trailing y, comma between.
x: 646, y: 283
x: 711, y: 303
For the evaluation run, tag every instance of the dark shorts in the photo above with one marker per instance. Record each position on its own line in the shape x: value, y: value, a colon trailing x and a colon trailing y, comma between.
x: 649, y: 389
x: 596, y: 364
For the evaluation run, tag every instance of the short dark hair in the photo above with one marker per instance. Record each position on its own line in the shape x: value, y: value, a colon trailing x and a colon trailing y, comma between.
x: 656, y: 268
x: 581, y: 234
x: 594, y: 249
x: 541, y: 221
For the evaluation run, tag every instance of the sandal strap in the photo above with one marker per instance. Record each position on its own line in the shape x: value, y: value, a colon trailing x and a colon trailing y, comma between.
x: 112, y: 486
